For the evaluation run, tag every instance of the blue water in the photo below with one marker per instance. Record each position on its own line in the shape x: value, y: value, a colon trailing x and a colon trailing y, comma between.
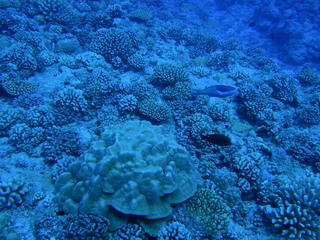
x: 103, y: 137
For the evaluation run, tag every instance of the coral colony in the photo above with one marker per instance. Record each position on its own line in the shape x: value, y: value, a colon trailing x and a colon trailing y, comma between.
x: 159, y: 120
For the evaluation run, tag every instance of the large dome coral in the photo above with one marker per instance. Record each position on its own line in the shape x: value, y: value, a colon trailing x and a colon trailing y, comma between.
x: 132, y: 169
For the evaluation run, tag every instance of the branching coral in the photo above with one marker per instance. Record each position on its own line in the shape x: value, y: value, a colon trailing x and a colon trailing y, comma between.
x: 210, y: 210
x: 154, y: 111
x: 12, y: 194
x: 169, y: 74
x: 113, y: 43
x: 297, y: 215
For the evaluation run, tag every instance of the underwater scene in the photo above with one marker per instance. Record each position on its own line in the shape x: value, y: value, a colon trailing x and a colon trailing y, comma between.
x: 159, y: 120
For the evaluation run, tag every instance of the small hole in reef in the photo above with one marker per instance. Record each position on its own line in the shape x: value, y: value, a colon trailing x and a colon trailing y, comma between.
x: 218, y: 139
x: 252, y: 24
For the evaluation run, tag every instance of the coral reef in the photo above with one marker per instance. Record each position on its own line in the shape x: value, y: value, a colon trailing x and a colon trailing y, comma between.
x: 168, y: 74
x: 180, y: 91
x: 70, y: 100
x: 129, y: 232
x: 297, y: 212
x: 136, y: 62
x: 128, y: 103
x: 308, y: 76
x: 284, y: 88
x: 174, y: 231
x: 210, y: 210
x: 8, y: 118
x: 113, y: 44
x: 154, y: 111
x: 141, y: 16
x: 116, y: 111
x: 78, y: 226
x: 12, y: 194
x: 16, y: 87
x: 124, y: 173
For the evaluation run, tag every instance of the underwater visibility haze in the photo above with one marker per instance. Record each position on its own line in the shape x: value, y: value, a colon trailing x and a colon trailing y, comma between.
x: 159, y: 120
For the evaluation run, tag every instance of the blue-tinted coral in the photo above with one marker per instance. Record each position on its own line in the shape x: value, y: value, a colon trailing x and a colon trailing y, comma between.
x: 221, y: 60
x: 308, y: 114
x: 173, y: 31
x: 220, y: 111
x: 54, y: 11
x: 141, y: 16
x: 308, y: 76
x: 136, y: 62
x: 45, y: 58
x: 128, y: 103
x: 179, y: 91
x: 33, y: 39
x: 168, y: 74
x: 40, y: 116
x: 80, y: 227
x: 198, y: 42
x: 100, y: 88
x: 154, y: 111
x: 201, y: 44
x: 99, y: 19
x: 247, y: 168
x: 26, y: 138
x: 28, y: 100
x: 231, y: 45
x: 17, y: 87
x: 60, y: 141
x: 284, y: 88
x: 265, y: 64
x: 12, y: 194
x: 129, y: 232
x: 257, y: 103
x: 50, y: 227
x: 259, y: 110
x: 112, y: 43
x: 174, y: 231
x: 116, y: 62
x: 115, y: 11
x: 198, y: 125
x: 297, y: 214
x: 8, y: 117
x: 210, y: 210
x: 84, y: 227
x: 200, y: 71
x: 70, y: 102
x: 143, y: 90
x: 303, y: 145
x: 82, y: 6
x: 107, y: 115
x: 18, y: 58
x: 250, y: 92
x: 67, y: 44
x: 13, y: 20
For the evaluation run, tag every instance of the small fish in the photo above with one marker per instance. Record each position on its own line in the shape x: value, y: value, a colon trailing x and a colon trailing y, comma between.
x: 220, y: 91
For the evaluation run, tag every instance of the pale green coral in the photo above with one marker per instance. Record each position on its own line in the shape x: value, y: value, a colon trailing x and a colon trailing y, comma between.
x: 132, y: 169
x: 210, y: 210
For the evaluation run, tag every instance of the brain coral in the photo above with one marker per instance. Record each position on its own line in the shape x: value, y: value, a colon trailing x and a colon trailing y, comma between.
x: 132, y: 169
